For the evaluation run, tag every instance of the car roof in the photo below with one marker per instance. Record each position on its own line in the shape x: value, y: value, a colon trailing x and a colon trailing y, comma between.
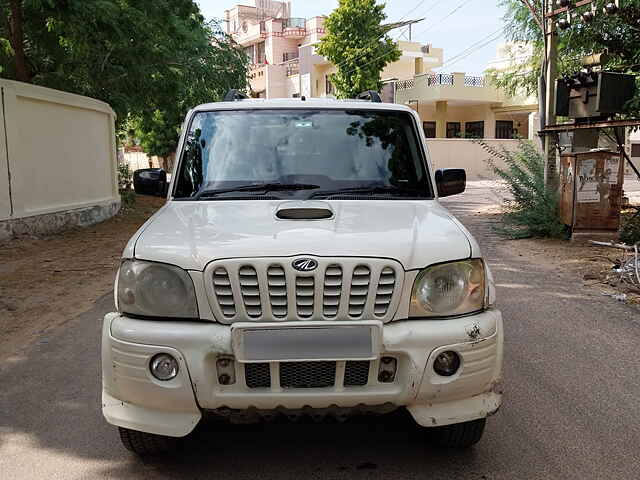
x: 307, y: 104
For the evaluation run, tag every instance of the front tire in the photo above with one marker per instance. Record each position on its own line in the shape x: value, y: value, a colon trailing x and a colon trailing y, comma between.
x: 145, y: 444
x: 460, y: 435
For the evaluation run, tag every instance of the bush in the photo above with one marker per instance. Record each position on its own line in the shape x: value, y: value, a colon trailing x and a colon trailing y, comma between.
x: 127, y: 198
x: 125, y: 179
x: 630, y: 231
x: 534, y: 209
x: 125, y: 176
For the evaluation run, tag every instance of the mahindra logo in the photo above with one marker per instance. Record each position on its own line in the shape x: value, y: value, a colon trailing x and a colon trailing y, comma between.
x: 305, y: 264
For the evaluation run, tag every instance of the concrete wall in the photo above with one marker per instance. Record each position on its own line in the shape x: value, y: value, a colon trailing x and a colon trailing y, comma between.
x: 57, y: 157
x: 467, y: 154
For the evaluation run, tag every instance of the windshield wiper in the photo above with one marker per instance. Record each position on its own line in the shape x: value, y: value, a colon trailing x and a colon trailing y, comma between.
x: 370, y: 190
x: 259, y: 187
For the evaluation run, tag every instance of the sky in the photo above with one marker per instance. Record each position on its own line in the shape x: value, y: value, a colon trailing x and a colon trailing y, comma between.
x: 454, y: 25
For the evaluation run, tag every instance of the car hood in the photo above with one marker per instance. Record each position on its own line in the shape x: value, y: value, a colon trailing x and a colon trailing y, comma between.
x: 192, y: 234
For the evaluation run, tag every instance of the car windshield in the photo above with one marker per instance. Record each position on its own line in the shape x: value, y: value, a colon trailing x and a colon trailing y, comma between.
x: 301, y: 154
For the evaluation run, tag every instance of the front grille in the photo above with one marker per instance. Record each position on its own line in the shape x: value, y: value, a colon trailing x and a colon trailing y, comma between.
x: 307, y: 374
x: 267, y: 289
x: 356, y: 374
x: 257, y: 375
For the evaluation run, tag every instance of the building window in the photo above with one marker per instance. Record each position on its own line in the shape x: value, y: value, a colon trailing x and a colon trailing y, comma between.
x: 504, y: 129
x: 260, y: 53
x: 635, y: 149
x: 429, y: 129
x: 328, y: 88
x: 453, y: 129
x: 474, y: 130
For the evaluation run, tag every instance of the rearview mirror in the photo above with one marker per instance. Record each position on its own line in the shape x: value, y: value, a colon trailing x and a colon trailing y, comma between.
x: 150, y: 181
x: 450, y: 181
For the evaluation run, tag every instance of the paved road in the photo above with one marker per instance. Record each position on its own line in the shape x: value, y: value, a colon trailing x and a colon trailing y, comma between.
x: 572, y: 410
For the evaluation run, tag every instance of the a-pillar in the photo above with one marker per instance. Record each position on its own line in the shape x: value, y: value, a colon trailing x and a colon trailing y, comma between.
x: 441, y: 119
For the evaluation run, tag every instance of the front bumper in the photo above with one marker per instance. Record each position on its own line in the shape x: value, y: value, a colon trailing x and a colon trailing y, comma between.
x: 133, y: 398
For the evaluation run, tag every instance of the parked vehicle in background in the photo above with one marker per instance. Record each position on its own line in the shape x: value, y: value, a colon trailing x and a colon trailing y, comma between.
x: 150, y: 181
x: 302, y: 264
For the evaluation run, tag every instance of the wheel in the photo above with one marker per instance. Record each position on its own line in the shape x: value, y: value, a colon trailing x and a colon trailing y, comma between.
x: 460, y: 435
x: 145, y: 444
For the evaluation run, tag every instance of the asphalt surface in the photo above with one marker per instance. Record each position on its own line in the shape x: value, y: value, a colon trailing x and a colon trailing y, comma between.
x: 571, y: 410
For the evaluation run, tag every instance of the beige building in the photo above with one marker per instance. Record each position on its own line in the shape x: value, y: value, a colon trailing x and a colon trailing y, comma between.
x: 282, y: 51
x: 456, y: 105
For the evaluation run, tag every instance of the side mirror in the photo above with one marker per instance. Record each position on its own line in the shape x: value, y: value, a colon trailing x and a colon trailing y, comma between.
x: 450, y: 181
x: 150, y: 181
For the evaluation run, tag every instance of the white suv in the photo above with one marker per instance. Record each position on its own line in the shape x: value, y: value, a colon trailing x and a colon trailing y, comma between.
x: 302, y: 265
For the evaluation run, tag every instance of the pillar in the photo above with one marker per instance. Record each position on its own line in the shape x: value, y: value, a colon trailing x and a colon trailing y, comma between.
x: 441, y: 119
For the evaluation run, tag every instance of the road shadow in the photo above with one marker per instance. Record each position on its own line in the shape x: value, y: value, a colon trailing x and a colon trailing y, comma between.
x: 50, y: 408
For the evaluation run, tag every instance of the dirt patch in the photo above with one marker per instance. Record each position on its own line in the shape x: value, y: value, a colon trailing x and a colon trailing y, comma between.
x: 45, y: 282
x: 593, y: 265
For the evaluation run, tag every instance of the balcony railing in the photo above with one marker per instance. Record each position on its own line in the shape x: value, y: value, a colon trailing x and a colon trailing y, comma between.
x: 406, y: 84
x: 474, y: 81
x: 439, y: 79
x: 293, y: 68
x: 294, y: 23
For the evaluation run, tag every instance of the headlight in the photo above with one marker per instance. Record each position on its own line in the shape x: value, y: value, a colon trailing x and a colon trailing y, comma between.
x: 449, y: 289
x: 155, y: 290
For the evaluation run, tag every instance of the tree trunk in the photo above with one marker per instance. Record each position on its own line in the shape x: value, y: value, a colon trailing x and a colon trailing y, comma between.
x: 17, y: 41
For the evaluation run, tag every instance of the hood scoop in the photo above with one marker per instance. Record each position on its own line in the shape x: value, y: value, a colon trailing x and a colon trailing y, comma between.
x: 304, y: 210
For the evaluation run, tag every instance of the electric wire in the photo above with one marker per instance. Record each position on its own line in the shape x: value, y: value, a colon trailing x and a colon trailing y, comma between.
x: 401, y: 19
x: 452, y: 12
x: 483, y: 42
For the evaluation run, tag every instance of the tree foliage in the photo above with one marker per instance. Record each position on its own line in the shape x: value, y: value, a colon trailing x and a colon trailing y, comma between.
x: 618, y: 35
x: 151, y: 60
x: 358, y: 44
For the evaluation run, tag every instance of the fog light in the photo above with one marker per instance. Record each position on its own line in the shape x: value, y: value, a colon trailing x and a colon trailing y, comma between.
x: 446, y: 364
x: 226, y: 370
x: 164, y: 367
x: 387, y: 371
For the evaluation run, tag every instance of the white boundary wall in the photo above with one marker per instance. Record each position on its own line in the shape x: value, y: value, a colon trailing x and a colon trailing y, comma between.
x: 467, y: 154
x: 58, y: 164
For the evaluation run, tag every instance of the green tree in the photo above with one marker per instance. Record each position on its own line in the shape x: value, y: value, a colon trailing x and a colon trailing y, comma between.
x: 358, y: 45
x: 618, y: 34
x: 149, y: 59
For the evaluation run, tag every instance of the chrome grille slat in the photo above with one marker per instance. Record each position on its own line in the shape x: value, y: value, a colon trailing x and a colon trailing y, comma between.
x: 360, y: 283
x: 384, y: 293
x: 250, y: 290
x: 277, y: 286
x: 332, y: 291
x: 268, y: 289
x: 223, y: 292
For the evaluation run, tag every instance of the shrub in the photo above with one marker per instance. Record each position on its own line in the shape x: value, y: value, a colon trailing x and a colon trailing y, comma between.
x: 125, y: 176
x: 630, y: 231
x: 533, y: 210
x: 125, y: 179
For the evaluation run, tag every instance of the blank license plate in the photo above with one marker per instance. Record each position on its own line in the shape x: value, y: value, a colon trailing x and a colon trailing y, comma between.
x: 359, y: 342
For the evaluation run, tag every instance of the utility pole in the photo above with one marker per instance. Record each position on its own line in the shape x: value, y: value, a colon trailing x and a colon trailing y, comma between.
x: 551, y: 75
